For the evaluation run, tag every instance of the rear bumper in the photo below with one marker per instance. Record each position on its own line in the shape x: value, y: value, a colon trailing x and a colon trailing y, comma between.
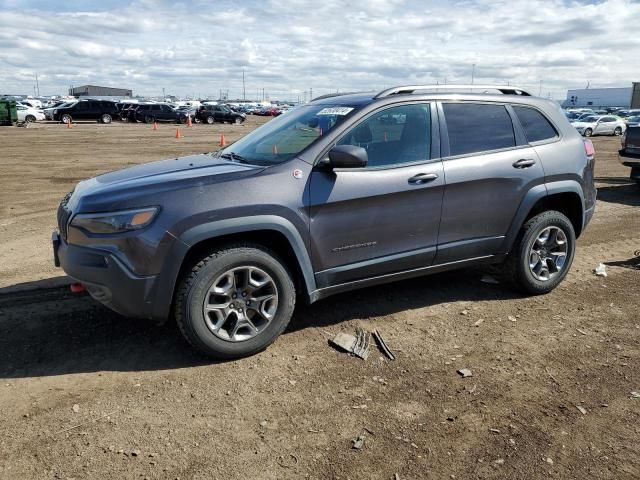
x: 629, y: 159
x: 109, y: 281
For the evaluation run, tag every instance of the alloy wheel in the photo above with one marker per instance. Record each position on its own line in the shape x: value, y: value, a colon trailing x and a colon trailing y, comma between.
x: 548, y: 253
x: 240, y: 303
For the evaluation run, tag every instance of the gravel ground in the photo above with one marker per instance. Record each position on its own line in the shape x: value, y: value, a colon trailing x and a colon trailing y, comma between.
x: 86, y: 393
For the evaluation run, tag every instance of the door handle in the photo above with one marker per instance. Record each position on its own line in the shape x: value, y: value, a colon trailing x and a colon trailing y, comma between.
x: 524, y: 163
x: 422, y: 178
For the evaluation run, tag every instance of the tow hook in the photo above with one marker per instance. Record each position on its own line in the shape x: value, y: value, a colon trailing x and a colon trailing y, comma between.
x: 77, y: 287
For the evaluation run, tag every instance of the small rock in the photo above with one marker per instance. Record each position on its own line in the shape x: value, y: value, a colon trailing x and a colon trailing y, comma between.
x: 464, y: 312
x: 478, y: 322
x: 512, y: 441
x: 292, y: 382
x: 75, y: 408
x: 512, y: 318
x: 135, y: 453
x: 499, y: 461
x: 465, y: 372
x: 635, y: 395
x: 581, y: 409
x: 494, y: 430
x: 549, y: 460
x: 358, y: 443
x: 263, y: 423
x: 600, y: 270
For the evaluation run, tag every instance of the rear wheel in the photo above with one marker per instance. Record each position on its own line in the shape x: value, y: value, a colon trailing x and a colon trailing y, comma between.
x: 30, y: 119
x: 235, y: 302
x: 588, y: 132
x: 542, y: 254
x: 66, y: 118
x: 618, y: 131
x: 105, y: 118
x: 239, y: 120
x: 148, y: 119
x: 210, y: 120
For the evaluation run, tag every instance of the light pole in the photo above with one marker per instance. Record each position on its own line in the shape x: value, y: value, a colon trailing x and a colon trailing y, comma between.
x: 473, y: 72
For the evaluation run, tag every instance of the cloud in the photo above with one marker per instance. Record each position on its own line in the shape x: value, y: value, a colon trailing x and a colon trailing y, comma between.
x: 200, y: 47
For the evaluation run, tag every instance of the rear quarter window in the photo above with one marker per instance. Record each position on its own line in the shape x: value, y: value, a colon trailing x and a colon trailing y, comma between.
x: 475, y: 128
x: 535, y: 125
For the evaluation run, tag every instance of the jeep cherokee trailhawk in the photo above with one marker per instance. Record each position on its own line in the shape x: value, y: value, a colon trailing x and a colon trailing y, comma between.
x: 341, y: 193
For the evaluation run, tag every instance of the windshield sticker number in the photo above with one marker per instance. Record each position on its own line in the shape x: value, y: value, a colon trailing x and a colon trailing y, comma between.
x: 335, y: 111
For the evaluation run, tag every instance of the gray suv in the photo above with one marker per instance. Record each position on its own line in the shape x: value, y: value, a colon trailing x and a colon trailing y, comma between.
x: 344, y: 192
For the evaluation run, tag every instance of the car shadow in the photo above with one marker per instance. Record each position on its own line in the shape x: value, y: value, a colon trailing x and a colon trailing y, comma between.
x: 620, y: 191
x: 48, y: 332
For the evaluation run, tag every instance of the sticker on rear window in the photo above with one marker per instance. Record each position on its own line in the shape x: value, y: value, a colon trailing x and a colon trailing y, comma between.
x: 335, y: 111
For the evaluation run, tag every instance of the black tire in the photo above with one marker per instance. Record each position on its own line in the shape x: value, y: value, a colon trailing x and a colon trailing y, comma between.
x: 30, y: 119
x: 194, y: 287
x: 516, y: 271
x: 66, y: 118
x: 105, y: 118
x: 148, y: 119
x: 618, y: 131
x: 239, y: 120
x: 588, y: 132
x: 182, y: 120
x: 210, y: 120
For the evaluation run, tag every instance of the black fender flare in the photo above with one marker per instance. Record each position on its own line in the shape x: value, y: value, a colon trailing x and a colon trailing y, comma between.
x: 210, y: 230
x: 535, y: 194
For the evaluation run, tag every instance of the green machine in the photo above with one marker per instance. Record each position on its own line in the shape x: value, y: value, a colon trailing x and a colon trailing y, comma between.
x: 8, y: 112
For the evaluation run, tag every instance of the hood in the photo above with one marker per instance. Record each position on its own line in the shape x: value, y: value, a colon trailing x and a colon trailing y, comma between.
x: 152, y: 178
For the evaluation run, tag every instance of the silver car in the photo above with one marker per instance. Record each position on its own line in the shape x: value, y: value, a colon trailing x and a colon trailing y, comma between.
x: 600, y: 125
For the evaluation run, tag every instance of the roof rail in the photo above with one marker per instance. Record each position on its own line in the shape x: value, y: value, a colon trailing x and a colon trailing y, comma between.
x: 409, y: 89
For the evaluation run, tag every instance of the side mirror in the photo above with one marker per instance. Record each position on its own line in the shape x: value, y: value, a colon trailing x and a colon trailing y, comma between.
x: 348, y: 156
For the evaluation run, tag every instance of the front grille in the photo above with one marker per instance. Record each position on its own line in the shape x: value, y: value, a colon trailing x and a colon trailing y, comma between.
x: 63, y: 215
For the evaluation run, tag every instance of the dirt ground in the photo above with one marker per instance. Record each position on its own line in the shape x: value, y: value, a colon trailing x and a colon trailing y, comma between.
x: 85, y: 393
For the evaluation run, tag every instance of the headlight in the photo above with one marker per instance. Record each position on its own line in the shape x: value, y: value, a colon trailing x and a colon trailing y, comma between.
x: 115, y: 222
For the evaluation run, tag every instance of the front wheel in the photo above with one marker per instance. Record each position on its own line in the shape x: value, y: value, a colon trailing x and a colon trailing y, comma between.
x: 105, y: 118
x: 210, y: 120
x: 239, y: 120
x: 542, y: 254
x: 66, y: 118
x: 588, y: 132
x: 30, y: 119
x: 235, y: 302
x: 618, y: 131
x: 148, y: 119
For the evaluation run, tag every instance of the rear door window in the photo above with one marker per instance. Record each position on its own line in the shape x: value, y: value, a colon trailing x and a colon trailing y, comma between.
x: 475, y: 128
x: 535, y: 125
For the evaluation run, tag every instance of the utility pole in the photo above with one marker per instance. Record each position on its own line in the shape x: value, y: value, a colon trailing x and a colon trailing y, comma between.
x: 310, y: 94
x: 244, y: 93
x: 263, y: 94
x: 473, y: 72
x: 37, y: 85
x: 163, y: 95
x: 540, y: 91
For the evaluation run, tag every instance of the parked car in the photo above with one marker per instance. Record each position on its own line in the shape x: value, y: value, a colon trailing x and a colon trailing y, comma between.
x: 629, y: 154
x: 219, y: 113
x: 101, y: 110
x: 600, y: 125
x: 156, y: 112
x: 29, y: 114
x: 338, y: 201
x: 632, y: 121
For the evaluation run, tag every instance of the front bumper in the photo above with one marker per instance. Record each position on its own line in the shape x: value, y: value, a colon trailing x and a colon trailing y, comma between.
x: 107, y: 279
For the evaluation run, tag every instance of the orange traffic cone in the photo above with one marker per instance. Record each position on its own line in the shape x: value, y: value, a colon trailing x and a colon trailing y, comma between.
x: 189, y: 121
x: 223, y: 142
x: 69, y: 124
x: 274, y: 150
x: 155, y: 125
x: 178, y: 135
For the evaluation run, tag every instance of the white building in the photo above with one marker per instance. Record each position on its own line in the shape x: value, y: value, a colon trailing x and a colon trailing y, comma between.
x: 599, y: 97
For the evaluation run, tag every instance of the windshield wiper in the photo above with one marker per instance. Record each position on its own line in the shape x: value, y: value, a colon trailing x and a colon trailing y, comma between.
x: 234, y: 157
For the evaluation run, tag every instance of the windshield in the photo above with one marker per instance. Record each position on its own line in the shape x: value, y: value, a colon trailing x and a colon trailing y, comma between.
x: 284, y: 137
x: 589, y: 119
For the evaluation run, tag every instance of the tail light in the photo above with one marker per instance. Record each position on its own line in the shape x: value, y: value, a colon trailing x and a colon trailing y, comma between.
x: 588, y: 148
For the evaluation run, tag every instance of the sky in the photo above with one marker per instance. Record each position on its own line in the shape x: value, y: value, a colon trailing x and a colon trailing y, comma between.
x: 292, y: 48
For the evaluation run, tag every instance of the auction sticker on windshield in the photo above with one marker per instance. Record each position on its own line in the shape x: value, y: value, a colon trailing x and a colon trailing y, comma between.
x: 335, y: 111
